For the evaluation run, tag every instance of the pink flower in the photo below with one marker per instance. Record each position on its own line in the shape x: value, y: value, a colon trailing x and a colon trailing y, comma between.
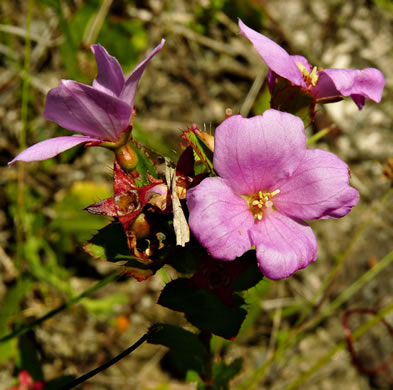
x: 322, y: 83
x: 101, y: 112
x: 269, y: 182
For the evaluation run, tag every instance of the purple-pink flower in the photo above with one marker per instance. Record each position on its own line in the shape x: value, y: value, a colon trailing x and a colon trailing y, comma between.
x: 101, y: 112
x: 268, y: 183
x: 322, y: 83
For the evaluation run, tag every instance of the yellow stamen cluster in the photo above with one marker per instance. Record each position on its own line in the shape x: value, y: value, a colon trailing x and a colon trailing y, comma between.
x: 260, y: 201
x: 310, y: 79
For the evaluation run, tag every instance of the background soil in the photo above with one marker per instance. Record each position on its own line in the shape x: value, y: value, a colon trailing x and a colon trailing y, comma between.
x: 205, y: 67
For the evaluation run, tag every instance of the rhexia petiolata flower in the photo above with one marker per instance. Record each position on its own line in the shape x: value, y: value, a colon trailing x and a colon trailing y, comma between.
x: 268, y: 183
x: 322, y: 83
x: 101, y: 112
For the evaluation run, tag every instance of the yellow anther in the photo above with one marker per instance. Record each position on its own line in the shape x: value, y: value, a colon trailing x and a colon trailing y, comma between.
x: 310, y: 78
x: 314, y: 76
x: 260, y: 201
x: 302, y: 68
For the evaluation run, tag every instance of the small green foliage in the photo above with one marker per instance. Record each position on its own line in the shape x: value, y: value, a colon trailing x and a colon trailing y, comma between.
x: 203, y: 309
x: 145, y: 164
x: 110, y: 243
x: 223, y: 373
x: 292, y: 99
x: 262, y: 103
x: 184, y: 259
x: 186, y: 350
x: 29, y: 358
x: 203, y: 155
x: 251, y: 276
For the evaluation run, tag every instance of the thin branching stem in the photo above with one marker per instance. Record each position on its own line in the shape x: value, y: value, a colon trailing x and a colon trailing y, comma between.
x: 109, y: 363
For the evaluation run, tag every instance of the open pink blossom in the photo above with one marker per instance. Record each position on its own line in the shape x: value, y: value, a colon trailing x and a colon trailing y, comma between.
x: 268, y: 183
x: 100, y: 112
x: 322, y: 83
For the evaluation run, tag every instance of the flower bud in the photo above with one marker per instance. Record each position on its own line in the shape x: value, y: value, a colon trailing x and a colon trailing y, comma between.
x: 126, y: 157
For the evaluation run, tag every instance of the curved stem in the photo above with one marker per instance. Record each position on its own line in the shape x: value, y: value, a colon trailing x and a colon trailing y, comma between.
x: 109, y: 363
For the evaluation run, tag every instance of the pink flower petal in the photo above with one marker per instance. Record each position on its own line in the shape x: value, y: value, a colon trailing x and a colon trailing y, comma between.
x: 87, y: 110
x: 219, y: 219
x: 128, y: 93
x: 50, y: 148
x: 319, y: 188
x: 110, y: 78
x: 283, y: 245
x: 254, y: 154
x: 367, y: 82
x: 274, y: 56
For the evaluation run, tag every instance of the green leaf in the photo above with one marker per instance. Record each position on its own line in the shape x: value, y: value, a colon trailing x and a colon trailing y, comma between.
x: 292, y: 99
x: 110, y: 244
x: 203, y: 155
x: 187, y: 352
x: 184, y: 260
x: 145, y: 164
x: 223, y: 373
x: 29, y: 359
x: 251, y: 276
x: 263, y: 101
x: 203, y: 309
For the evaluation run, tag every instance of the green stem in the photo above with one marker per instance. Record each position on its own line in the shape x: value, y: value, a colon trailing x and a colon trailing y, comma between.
x: 320, y: 134
x: 19, y: 236
x: 25, y: 328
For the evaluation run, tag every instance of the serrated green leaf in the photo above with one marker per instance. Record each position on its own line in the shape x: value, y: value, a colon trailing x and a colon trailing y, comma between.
x: 110, y: 244
x: 187, y: 352
x: 145, y: 164
x: 203, y: 309
x: 203, y: 155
